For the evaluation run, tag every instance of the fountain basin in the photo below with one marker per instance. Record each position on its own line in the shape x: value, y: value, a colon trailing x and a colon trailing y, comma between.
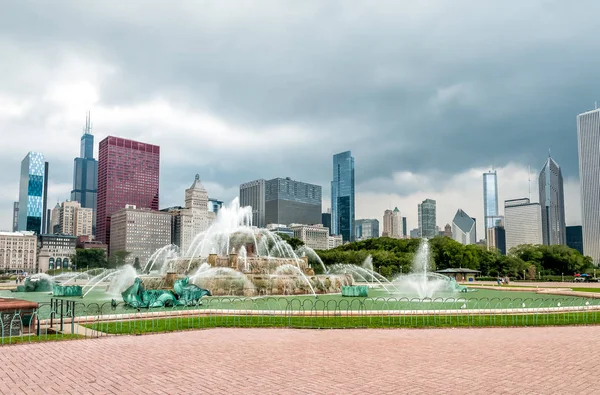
x: 355, y: 290
x: 66, y: 290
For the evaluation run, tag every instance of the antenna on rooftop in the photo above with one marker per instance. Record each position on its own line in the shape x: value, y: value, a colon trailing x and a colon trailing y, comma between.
x: 88, y: 124
x: 595, y: 105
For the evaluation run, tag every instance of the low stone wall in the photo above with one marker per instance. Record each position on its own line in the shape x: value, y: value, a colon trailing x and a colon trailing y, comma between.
x: 15, y: 316
x: 546, y: 291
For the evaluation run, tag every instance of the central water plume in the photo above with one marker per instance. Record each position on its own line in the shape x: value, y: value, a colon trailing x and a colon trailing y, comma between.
x: 421, y: 282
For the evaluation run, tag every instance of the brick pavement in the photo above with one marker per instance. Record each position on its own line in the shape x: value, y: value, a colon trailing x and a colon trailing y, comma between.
x: 552, y: 360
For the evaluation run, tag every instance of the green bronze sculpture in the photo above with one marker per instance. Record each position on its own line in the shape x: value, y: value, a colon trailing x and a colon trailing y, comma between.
x: 189, y: 294
x: 185, y: 295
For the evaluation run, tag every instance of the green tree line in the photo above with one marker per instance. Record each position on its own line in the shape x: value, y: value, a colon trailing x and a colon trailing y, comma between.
x: 96, y: 257
x: 395, y: 256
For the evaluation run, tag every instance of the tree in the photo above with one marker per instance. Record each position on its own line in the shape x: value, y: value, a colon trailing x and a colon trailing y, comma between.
x: 117, y: 259
x: 89, y: 258
x: 294, y: 242
x: 393, y: 256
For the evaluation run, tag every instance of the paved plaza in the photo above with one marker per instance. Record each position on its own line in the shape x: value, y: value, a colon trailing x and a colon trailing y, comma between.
x: 552, y: 360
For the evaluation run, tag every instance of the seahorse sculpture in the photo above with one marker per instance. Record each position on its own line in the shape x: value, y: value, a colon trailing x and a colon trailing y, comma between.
x: 138, y: 296
x: 189, y: 294
x: 185, y: 295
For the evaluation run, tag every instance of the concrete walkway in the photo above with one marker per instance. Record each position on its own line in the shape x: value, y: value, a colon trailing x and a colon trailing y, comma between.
x: 551, y: 360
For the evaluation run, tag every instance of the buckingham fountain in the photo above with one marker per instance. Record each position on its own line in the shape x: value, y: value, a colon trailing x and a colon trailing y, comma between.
x: 232, y: 258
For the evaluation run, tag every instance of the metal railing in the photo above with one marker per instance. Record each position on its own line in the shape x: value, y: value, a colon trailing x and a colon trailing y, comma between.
x: 71, y: 318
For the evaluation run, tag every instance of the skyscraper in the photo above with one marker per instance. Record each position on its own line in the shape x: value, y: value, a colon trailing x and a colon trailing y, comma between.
x: 427, y: 219
x: 139, y: 232
x: 396, y: 223
x: 31, y: 193
x: 575, y: 238
x: 404, y: 227
x: 463, y: 228
x: 342, y: 196
x: 85, y: 172
x: 128, y: 173
x: 588, y: 139
x: 292, y: 202
x: 490, y: 198
x: 15, y: 225
x: 326, y: 220
x: 392, y: 224
x: 194, y: 217
x: 45, y: 218
x: 366, y: 229
x: 74, y: 220
x: 252, y: 194
x: 496, y: 238
x: 552, y: 200
x: 448, y: 231
x: 522, y: 223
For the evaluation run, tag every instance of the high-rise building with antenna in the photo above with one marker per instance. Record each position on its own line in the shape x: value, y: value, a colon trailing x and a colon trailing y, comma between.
x: 85, y: 172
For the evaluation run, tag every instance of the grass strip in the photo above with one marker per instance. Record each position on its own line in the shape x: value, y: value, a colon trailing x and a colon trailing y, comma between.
x: 37, y: 339
x: 586, y: 289
x: 339, y: 322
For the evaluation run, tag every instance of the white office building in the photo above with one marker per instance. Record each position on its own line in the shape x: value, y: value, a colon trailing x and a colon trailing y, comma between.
x: 588, y: 140
x: 463, y: 228
x: 522, y: 223
x: 139, y: 232
x: 313, y: 236
x: 18, y: 252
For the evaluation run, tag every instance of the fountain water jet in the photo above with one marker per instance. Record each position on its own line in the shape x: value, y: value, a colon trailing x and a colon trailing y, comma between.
x: 421, y: 282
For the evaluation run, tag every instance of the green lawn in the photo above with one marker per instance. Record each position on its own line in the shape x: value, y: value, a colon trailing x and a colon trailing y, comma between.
x: 586, y: 289
x: 35, y: 339
x: 318, y: 322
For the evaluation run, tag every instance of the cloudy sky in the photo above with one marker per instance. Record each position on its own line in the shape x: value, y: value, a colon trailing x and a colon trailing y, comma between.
x: 427, y: 95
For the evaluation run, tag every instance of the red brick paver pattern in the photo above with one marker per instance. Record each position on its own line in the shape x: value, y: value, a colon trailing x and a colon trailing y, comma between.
x: 555, y: 360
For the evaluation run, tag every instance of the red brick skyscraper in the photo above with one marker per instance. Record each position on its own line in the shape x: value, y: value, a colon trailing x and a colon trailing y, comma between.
x: 128, y: 173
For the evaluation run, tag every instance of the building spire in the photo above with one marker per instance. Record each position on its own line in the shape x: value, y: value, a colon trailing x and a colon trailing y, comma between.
x: 88, y: 124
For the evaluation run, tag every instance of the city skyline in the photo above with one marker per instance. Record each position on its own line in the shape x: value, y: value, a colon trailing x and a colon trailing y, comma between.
x: 401, y: 110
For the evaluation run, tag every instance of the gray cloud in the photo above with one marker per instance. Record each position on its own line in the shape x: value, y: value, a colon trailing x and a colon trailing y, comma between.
x: 237, y: 92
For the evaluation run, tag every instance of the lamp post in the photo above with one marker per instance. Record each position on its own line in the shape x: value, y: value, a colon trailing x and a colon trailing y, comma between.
x: 523, y: 274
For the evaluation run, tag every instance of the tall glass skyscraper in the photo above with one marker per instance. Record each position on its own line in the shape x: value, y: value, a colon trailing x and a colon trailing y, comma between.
x: 85, y: 173
x: 342, y: 196
x: 128, y: 174
x: 552, y: 200
x: 588, y: 141
x: 32, y: 198
x: 427, y: 219
x: 490, y: 199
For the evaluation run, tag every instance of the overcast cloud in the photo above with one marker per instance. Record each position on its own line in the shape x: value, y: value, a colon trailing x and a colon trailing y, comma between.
x: 427, y: 95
